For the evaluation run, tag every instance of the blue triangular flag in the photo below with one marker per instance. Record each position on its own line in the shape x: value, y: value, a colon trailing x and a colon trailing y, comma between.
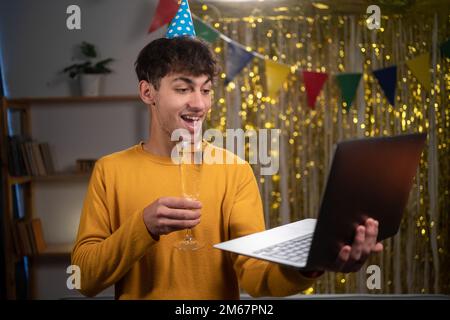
x: 237, y: 59
x: 181, y: 24
x: 387, y: 77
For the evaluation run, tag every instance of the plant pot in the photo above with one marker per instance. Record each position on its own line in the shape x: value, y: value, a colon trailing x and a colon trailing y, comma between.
x: 90, y: 84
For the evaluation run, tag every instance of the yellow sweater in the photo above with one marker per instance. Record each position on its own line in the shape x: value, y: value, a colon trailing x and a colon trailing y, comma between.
x: 113, y: 245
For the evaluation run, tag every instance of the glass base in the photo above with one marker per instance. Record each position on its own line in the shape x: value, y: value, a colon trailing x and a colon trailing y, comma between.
x: 189, y: 245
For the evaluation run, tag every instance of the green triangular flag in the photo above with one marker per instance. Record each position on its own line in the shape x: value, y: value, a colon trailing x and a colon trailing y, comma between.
x: 204, y: 31
x: 445, y: 49
x: 348, y: 83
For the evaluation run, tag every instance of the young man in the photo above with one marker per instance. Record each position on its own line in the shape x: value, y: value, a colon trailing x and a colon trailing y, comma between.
x: 133, y: 212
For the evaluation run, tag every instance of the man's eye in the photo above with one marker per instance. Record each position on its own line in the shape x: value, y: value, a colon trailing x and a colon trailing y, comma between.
x: 182, y: 90
x: 206, y: 91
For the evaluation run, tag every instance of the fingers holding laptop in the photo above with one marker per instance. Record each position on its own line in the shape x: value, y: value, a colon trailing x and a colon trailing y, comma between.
x: 351, y: 258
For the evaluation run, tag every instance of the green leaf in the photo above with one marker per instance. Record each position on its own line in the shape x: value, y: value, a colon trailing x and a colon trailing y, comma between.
x: 88, y: 49
x: 89, y: 52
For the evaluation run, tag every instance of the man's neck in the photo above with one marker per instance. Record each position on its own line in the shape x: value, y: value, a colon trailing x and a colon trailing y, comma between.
x: 158, y: 148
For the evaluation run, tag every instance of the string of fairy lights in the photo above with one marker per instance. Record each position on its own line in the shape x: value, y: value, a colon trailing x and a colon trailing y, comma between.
x: 416, y: 260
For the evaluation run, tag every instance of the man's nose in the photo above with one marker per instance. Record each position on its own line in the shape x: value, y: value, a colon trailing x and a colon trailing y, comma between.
x: 197, y: 101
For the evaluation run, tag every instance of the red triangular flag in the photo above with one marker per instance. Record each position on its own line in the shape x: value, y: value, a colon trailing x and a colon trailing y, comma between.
x: 314, y: 82
x: 165, y: 11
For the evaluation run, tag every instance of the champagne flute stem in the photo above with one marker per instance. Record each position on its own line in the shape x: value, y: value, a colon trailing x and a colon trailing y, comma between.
x: 188, y: 236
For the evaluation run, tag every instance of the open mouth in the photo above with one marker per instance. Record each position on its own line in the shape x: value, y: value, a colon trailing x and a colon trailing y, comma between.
x: 191, y: 122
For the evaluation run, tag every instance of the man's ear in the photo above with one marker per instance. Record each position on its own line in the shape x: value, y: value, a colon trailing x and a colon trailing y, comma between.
x: 147, y: 92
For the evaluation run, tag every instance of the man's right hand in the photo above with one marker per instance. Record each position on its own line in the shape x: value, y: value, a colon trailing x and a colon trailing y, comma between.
x: 169, y: 214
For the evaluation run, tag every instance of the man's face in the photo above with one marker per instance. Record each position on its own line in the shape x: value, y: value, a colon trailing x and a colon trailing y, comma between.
x: 182, y: 101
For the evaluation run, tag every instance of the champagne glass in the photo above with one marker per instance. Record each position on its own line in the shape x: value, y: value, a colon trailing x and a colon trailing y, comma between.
x: 190, y: 171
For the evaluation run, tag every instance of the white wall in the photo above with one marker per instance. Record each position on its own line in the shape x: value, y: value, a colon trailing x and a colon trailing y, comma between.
x: 35, y: 46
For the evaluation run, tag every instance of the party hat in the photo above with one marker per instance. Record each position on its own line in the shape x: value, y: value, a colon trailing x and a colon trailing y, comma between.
x: 182, y: 23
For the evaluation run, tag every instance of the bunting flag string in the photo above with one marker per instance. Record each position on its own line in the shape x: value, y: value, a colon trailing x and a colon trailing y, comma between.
x: 347, y: 82
x: 238, y: 57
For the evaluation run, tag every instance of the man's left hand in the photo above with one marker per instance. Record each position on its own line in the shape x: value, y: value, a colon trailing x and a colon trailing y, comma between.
x: 352, y: 258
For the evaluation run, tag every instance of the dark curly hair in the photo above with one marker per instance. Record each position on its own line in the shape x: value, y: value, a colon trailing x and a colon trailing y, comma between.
x: 185, y: 54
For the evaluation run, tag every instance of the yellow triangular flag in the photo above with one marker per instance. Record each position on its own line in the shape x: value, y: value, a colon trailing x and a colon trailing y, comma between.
x: 420, y: 67
x: 276, y: 74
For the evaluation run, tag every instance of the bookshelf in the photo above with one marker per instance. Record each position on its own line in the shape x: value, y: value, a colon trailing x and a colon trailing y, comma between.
x: 60, y: 176
x: 26, y: 184
x: 41, y: 101
x: 57, y: 249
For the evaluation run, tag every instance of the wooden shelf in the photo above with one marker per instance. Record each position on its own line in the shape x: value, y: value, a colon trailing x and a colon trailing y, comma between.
x: 18, y: 180
x: 60, y: 176
x: 40, y: 101
x: 52, y: 250
x: 57, y: 249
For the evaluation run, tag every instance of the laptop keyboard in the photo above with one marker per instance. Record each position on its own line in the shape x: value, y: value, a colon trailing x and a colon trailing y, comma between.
x: 294, y: 250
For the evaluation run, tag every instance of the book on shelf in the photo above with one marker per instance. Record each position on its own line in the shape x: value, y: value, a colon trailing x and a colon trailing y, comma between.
x: 29, y: 237
x: 85, y: 165
x: 47, y: 157
x: 31, y: 240
x: 41, y: 171
x: 16, y: 165
x: 24, y: 245
x: 29, y: 158
x: 16, y: 241
x: 38, y: 234
x: 26, y: 160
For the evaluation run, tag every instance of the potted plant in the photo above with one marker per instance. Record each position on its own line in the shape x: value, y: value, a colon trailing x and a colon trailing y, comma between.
x: 88, y: 72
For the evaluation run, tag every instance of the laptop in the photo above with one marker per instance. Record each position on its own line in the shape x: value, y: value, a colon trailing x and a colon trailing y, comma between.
x: 369, y: 177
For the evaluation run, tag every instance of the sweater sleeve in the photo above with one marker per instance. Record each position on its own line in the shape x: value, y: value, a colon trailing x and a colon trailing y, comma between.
x: 258, y: 277
x: 102, y: 255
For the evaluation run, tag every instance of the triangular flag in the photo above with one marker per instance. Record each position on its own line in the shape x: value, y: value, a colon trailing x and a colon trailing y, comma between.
x: 181, y: 24
x: 348, y: 83
x: 445, y: 49
x: 276, y: 74
x: 165, y: 11
x: 420, y: 67
x: 204, y: 31
x: 387, y: 78
x: 314, y: 82
x: 237, y: 59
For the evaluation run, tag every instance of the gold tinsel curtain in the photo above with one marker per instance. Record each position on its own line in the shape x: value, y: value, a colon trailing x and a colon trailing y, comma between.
x: 416, y: 260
